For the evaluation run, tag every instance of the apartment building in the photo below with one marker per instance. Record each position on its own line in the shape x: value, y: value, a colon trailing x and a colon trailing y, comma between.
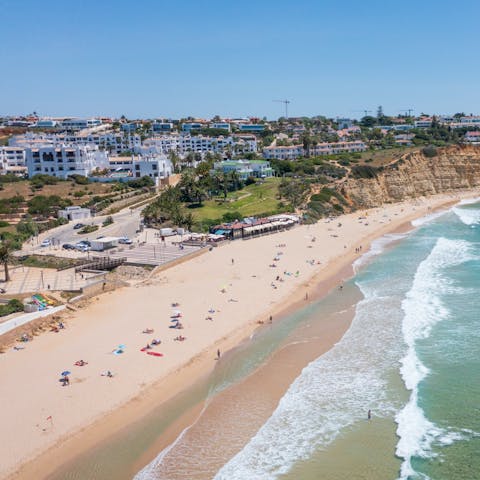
x: 296, y: 151
x: 187, y: 127
x: 64, y: 160
x: 12, y: 160
x: 423, y: 123
x: 80, y: 123
x: 112, y: 142
x: 162, y: 127
x: 183, y: 144
x: 155, y: 166
x: 221, y: 126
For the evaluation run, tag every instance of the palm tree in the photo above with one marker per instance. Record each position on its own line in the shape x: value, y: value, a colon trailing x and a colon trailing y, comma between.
x: 5, y: 256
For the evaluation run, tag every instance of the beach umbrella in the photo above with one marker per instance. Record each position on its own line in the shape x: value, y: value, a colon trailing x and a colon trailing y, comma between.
x: 65, y: 373
x: 122, y: 346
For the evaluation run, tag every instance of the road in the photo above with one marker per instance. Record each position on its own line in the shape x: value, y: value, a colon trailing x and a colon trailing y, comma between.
x: 125, y: 223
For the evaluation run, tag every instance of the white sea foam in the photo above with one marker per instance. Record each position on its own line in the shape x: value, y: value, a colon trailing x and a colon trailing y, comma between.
x: 332, y: 393
x: 469, y: 216
x: 376, y: 248
x: 469, y: 201
x: 423, y: 308
x: 427, y: 218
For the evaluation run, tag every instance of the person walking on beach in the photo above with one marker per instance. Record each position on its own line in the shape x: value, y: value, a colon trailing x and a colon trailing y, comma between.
x: 218, y: 354
x: 233, y: 261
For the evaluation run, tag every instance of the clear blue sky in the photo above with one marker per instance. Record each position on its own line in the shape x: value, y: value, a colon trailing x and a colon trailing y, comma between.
x: 156, y: 58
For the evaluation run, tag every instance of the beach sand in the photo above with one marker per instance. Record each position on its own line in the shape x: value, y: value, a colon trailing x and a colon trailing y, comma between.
x: 43, y: 418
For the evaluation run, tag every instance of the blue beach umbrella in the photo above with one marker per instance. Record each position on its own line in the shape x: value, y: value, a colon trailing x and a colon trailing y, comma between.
x: 65, y: 373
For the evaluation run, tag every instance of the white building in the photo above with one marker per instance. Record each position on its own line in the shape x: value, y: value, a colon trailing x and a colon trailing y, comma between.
x: 156, y: 166
x: 62, y: 161
x: 296, y: 151
x: 46, y: 123
x: 74, y: 213
x: 80, y: 123
x: 12, y: 160
x: 113, y: 142
x: 186, y: 127
x: 423, y: 123
x: 284, y: 153
x: 183, y: 144
x: 162, y: 127
x: 221, y: 126
x: 472, y: 138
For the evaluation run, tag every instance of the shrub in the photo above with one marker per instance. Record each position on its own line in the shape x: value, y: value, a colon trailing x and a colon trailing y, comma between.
x: 88, y: 229
x: 79, y: 179
x: 250, y: 181
x: 41, y: 179
x: 108, y: 221
x: 14, y: 305
x: 232, y: 216
x: 3, y: 224
x: 364, y: 171
x: 430, y: 151
x: 141, y: 182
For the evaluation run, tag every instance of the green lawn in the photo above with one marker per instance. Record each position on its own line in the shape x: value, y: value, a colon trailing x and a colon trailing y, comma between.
x: 253, y: 200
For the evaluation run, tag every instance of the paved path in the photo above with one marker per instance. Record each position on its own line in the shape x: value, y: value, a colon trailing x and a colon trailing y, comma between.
x: 152, y: 254
x: 30, y: 279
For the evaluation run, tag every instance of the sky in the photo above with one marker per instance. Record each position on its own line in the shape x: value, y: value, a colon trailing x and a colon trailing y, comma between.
x: 175, y: 58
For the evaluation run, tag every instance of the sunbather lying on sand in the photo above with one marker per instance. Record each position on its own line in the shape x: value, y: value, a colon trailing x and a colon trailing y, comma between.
x: 148, y: 330
x: 180, y: 338
x: 81, y: 363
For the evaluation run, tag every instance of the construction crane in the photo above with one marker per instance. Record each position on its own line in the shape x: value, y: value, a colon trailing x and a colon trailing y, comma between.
x: 408, y: 110
x: 364, y: 111
x: 285, y: 102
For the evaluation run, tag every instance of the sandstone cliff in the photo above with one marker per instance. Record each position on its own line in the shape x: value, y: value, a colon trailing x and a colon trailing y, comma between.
x: 415, y: 175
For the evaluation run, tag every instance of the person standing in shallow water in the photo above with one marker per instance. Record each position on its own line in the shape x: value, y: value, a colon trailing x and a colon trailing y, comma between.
x: 369, y: 415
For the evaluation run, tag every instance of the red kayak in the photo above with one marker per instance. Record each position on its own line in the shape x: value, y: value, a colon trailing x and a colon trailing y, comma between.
x: 156, y: 354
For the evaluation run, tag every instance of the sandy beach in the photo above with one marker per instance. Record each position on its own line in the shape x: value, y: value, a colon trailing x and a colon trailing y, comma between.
x: 222, y: 296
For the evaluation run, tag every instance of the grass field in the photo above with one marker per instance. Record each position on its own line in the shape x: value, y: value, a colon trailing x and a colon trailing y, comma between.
x: 252, y: 200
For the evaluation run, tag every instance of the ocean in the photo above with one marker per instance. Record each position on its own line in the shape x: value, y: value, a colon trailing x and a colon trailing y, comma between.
x: 410, y: 357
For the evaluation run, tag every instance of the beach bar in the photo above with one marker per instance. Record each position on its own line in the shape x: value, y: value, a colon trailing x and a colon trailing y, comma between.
x: 252, y: 227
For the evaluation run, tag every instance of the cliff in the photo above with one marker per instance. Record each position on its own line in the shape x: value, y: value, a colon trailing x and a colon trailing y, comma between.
x: 414, y: 175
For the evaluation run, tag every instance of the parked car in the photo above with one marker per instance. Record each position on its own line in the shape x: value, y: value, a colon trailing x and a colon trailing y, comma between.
x: 82, y: 247
x: 46, y: 243
x: 78, y: 225
x: 68, y: 246
x: 125, y: 241
x: 101, y: 236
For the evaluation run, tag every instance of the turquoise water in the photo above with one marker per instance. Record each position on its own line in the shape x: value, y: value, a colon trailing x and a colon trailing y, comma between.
x: 411, y: 357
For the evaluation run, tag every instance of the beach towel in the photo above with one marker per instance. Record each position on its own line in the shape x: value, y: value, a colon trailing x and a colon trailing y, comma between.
x: 155, y: 354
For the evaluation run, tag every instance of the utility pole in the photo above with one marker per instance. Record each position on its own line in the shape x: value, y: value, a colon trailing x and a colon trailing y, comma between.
x: 285, y: 102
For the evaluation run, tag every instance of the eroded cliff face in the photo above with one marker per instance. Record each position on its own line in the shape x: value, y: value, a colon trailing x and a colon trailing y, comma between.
x: 415, y: 175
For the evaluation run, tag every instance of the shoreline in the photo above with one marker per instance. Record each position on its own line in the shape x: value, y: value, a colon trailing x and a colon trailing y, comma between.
x: 200, y: 366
